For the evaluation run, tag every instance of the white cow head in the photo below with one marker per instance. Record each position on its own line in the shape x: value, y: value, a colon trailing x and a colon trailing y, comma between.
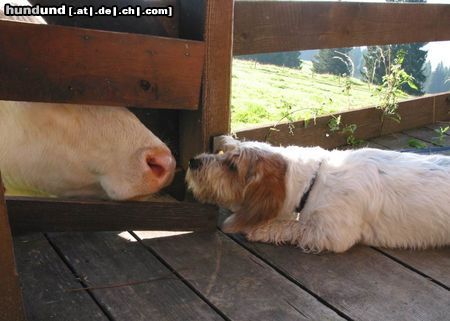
x: 72, y: 150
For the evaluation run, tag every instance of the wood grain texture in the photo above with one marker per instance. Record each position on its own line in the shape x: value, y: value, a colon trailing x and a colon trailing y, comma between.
x: 429, y: 135
x: 272, y: 26
x: 213, y: 117
x: 398, y: 141
x: 98, y: 67
x: 51, y: 215
x: 414, y: 113
x: 440, y: 124
x: 46, y: 282
x: 150, y: 25
x: 127, y: 281
x: 11, y: 305
x: 236, y: 282
x: 433, y: 263
x: 362, y: 283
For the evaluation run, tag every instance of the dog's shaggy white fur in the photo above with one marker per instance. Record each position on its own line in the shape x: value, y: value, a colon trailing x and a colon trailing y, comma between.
x: 370, y: 196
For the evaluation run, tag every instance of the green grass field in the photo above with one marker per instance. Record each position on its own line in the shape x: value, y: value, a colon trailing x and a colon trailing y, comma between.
x: 265, y: 94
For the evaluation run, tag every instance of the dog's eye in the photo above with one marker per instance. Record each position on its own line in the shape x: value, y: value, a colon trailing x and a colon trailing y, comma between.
x: 232, y: 167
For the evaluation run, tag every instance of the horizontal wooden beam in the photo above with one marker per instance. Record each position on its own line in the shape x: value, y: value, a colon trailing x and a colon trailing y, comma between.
x: 73, y: 65
x: 54, y: 215
x: 414, y: 113
x: 271, y: 26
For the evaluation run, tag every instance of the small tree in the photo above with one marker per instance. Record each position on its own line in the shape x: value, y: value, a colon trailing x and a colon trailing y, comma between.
x: 377, y: 60
x: 439, y: 79
x: 332, y: 61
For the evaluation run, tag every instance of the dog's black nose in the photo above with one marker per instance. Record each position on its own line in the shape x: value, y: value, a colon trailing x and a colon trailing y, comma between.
x: 195, y: 163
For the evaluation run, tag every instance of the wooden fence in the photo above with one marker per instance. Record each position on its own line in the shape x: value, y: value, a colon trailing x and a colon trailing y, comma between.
x: 272, y: 26
x: 192, y: 75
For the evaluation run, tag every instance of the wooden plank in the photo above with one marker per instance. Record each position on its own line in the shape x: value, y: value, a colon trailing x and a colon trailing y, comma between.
x: 129, y: 282
x: 47, y: 281
x: 108, y: 68
x: 433, y: 263
x: 11, y: 306
x: 398, y: 141
x: 414, y: 113
x: 213, y: 117
x: 150, y: 25
x: 236, y: 282
x: 272, y: 26
x: 441, y: 108
x: 362, y: 283
x: 429, y: 135
x: 51, y: 215
x: 438, y: 125
x: 371, y: 144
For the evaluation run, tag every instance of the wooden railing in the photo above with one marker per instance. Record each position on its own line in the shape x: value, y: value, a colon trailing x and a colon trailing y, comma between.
x: 75, y: 65
x: 413, y: 113
x: 54, y: 63
x: 273, y: 26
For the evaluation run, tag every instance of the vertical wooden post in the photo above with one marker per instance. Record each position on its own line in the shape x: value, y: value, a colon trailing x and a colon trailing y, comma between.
x: 11, y: 306
x: 213, y: 117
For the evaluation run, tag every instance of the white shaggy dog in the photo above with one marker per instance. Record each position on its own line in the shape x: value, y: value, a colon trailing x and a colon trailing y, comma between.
x: 327, y: 200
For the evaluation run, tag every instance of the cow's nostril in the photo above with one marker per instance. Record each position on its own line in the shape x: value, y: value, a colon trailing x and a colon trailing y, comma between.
x: 195, y: 163
x: 156, y: 167
x: 160, y: 163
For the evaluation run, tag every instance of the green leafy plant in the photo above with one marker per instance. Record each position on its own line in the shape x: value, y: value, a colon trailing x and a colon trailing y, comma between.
x: 391, y: 87
x: 287, y: 113
x: 335, y: 125
x: 441, y: 132
x: 414, y: 143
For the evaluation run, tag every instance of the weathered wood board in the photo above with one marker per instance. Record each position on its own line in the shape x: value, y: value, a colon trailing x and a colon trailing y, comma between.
x: 398, y: 141
x: 152, y: 25
x: 433, y: 263
x: 414, y: 113
x: 57, y: 215
x: 98, y: 67
x: 236, y: 282
x: 11, y: 306
x: 47, y: 281
x: 363, y: 283
x: 273, y: 26
x: 429, y: 135
x: 213, y: 116
x: 128, y: 281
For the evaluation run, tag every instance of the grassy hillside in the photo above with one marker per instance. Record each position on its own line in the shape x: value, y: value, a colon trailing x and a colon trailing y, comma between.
x: 265, y: 94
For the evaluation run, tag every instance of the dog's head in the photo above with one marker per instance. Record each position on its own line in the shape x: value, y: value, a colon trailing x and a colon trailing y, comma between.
x: 246, y: 178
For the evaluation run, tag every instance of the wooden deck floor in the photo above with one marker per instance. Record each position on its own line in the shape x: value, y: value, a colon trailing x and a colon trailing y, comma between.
x: 213, y: 276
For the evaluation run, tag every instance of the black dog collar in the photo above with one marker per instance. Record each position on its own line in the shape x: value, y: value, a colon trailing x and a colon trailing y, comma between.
x: 305, y: 195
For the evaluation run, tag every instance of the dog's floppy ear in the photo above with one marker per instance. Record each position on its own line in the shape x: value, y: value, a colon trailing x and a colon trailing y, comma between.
x: 263, y: 195
x: 225, y: 143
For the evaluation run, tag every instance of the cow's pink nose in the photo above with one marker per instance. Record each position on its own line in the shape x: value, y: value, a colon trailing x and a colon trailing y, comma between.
x: 162, y: 167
